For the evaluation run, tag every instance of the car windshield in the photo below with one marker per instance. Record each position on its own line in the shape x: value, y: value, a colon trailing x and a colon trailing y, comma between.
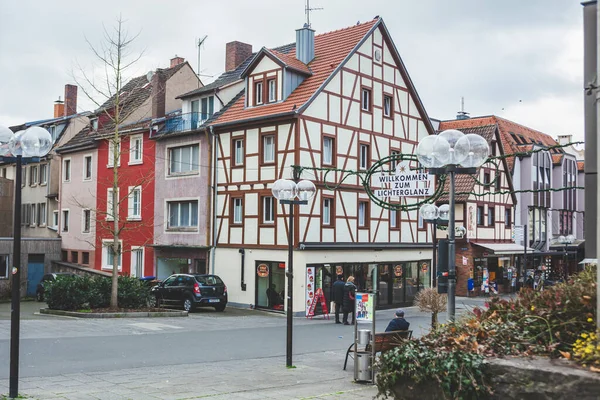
x: 209, y: 280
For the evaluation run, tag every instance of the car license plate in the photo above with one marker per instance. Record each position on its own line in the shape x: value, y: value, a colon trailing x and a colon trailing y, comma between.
x: 213, y: 300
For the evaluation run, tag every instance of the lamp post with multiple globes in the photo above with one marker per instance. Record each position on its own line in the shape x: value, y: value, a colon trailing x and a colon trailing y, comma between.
x: 22, y: 147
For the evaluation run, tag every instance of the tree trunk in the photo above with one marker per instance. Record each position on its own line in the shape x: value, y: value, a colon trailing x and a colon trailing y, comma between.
x: 434, y: 320
x: 114, y: 302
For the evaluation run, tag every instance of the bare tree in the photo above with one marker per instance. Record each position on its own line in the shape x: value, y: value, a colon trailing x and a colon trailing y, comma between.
x: 115, y: 56
x: 430, y: 300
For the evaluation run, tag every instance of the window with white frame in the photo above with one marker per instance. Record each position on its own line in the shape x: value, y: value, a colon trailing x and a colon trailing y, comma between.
x: 43, y: 174
x: 111, y: 152
x: 182, y: 214
x: 327, y: 210
x: 272, y: 90
x: 207, y: 107
x: 55, y: 219
x: 65, y: 221
x: 393, y: 218
x: 268, y: 149
x: 87, y: 168
x: 109, y: 204
x: 67, y: 170
x: 42, y: 214
x: 238, y: 145
x: 362, y: 213
x: 33, y: 175
x: 108, y: 253
x: 87, y: 221
x: 94, y: 123
x: 387, y: 106
x: 4, y: 266
x: 134, y: 203
x: 420, y: 222
x: 258, y: 93
x: 33, y: 213
x: 268, y: 210
x: 366, y: 99
x: 238, y: 210
x: 364, y: 156
x: 137, y: 262
x: 135, y: 149
x: 328, y: 150
x: 184, y: 159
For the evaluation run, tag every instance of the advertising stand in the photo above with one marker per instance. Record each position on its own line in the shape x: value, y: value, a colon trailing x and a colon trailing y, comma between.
x: 364, y: 308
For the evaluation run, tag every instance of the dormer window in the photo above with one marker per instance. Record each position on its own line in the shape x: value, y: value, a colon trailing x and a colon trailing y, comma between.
x: 207, y: 105
x: 258, y: 93
x: 272, y: 90
x: 94, y: 123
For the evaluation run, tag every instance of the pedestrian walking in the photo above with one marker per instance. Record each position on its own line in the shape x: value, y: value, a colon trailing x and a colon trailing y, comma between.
x: 338, y: 297
x: 348, y: 301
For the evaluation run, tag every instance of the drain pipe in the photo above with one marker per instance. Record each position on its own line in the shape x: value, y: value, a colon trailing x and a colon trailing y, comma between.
x: 214, y: 200
x: 243, y: 253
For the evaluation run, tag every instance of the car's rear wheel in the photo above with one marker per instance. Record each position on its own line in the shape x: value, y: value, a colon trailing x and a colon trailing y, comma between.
x: 39, y: 296
x: 220, y: 308
x: 153, y: 301
x: 188, y: 304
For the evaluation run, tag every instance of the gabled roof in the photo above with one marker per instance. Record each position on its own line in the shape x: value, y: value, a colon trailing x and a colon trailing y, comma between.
x: 282, y: 59
x: 331, y: 49
x: 225, y: 79
x: 513, y: 135
x: 464, y: 184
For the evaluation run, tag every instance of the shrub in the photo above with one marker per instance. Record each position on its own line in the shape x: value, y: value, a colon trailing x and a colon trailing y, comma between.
x: 586, y: 350
x: 81, y: 293
x: 430, y: 300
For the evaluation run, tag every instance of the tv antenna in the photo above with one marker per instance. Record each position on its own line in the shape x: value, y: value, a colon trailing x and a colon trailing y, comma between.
x: 307, y: 11
x: 199, y: 43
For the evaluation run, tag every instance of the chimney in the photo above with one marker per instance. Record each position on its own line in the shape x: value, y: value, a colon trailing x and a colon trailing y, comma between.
x: 70, y: 100
x: 564, y: 139
x: 176, y: 60
x: 59, y: 108
x: 235, y: 54
x: 159, y: 85
x: 305, y: 44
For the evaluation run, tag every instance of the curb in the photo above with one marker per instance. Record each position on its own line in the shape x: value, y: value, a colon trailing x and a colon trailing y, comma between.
x: 141, y: 314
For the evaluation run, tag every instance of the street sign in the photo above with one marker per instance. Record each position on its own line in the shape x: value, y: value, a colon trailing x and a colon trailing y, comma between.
x: 403, y: 183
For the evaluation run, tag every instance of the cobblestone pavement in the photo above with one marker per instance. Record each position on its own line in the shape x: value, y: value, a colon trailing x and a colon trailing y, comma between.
x: 316, y: 376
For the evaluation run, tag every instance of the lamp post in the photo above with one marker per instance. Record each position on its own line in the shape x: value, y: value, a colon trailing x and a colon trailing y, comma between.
x: 292, y: 192
x: 452, y: 152
x: 566, y: 240
x: 24, y: 146
x: 436, y: 216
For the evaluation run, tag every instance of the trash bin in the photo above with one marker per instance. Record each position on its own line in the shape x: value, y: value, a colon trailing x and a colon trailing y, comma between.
x: 364, y: 337
x: 363, y: 372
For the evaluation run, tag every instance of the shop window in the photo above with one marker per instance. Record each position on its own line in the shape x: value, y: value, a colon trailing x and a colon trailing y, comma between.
x: 4, y: 266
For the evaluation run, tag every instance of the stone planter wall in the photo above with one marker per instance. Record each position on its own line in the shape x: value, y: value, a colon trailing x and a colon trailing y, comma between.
x: 522, y: 379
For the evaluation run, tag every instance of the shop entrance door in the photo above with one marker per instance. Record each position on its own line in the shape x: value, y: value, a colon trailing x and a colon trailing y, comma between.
x: 270, y: 285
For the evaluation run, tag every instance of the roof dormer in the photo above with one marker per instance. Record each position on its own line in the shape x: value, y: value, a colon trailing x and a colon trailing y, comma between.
x: 271, y: 76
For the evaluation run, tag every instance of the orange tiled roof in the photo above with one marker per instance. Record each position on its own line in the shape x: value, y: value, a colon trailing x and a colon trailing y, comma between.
x: 580, y: 165
x: 557, y: 159
x: 507, y: 130
x: 292, y: 62
x: 330, y: 50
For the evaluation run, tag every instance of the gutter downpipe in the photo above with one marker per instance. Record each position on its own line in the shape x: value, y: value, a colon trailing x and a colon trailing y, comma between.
x: 214, y: 199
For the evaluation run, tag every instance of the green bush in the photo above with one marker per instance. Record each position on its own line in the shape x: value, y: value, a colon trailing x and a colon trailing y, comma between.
x: 84, y: 293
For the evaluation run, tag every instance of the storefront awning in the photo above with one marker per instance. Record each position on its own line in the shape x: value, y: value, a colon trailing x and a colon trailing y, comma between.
x: 175, y: 246
x: 504, y: 248
x: 589, y: 261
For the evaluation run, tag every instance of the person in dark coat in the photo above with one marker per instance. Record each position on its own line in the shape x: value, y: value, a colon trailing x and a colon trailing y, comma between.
x: 338, y: 297
x: 348, y: 301
x: 398, y: 323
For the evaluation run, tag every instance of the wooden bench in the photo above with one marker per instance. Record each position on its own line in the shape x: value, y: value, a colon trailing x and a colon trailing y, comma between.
x: 384, y: 341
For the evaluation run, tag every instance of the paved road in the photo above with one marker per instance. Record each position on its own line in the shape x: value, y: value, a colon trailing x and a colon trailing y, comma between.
x: 55, y: 350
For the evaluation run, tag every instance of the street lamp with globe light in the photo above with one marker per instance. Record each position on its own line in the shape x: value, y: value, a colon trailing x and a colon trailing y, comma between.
x: 452, y: 152
x: 286, y: 191
x: 22, y: 147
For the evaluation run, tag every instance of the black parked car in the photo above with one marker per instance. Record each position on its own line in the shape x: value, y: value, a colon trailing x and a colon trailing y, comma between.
x: 39, y: 291
x: 190, y: 291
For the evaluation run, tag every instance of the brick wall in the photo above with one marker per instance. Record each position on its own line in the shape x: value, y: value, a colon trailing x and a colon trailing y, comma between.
x: 235, y: 54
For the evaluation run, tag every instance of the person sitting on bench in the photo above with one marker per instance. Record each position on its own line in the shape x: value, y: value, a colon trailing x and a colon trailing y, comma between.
x: 398, y: 323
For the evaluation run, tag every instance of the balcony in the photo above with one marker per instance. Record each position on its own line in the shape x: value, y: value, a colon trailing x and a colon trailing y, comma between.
x: 184, y: 122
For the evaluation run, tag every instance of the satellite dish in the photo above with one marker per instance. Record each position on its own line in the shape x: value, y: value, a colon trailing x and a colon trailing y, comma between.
x: 149, y: 76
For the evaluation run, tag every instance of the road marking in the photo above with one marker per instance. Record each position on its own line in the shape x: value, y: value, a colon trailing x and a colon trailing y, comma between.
x: 154, y: 326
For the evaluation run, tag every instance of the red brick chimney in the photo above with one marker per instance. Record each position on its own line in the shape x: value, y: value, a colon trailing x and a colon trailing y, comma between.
x: 176, y: 60
x: 159, y: 86
x: 235, y: 54
x: 70, y: 100
x: 59, y: 108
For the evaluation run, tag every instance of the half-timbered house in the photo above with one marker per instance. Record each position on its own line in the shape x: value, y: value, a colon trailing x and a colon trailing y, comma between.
x: 484, y: 214
x: 337, y: 101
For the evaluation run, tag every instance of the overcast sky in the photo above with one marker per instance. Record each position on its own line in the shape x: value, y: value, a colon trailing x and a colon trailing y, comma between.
x: 521, y: 60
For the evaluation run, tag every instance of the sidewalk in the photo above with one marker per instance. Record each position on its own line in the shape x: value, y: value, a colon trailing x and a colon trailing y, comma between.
x: 316, y: 376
